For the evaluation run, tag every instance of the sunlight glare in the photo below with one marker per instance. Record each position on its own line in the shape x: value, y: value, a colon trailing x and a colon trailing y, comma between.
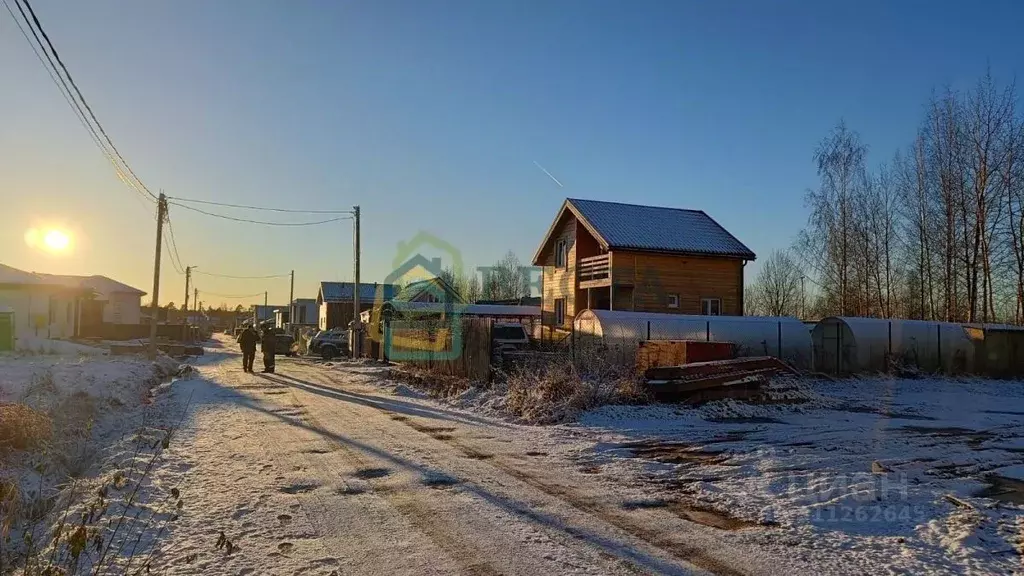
x: 52, y: 240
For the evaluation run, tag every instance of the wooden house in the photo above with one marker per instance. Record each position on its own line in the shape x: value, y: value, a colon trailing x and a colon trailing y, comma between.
x: 335, y: 301
x: 435, y: 289
x: 615, y: 256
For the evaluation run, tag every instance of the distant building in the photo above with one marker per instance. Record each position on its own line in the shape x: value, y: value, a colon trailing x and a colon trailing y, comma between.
x: 44, y: 306
x: 335, y: 303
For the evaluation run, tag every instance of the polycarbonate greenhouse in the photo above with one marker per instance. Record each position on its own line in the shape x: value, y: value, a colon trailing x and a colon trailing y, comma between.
x: 621, y: 332
x: 845, y: 345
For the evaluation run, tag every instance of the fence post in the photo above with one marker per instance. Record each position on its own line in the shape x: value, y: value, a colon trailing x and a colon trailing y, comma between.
x: 779, y: 348
x: 889, y: 359
x: 572, y: 344
x: 707, y: 331
x: 938, y: 345
x: 839, y: 349
x: 648, y: 329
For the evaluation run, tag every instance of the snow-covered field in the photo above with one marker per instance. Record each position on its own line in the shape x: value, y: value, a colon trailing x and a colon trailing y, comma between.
x: 96, y: 412
x: 870, y: 475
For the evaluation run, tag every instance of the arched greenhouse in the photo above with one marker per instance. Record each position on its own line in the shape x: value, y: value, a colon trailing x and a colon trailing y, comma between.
x: 620, y: 333
x: 845, y: 345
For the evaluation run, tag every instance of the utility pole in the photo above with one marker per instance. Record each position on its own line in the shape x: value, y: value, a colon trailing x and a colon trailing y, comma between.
x: 188, y: 279
x: 264, y: 306
x: 356, y: 327
x: 291, y: 301
x: 195, y: 299
x: 803, y: 300
x: 161, y: 215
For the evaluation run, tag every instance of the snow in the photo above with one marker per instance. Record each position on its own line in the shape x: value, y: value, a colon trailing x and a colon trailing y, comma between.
x: 335, y: 469
x: 33, y: 345
x: 861, y: 472
x: 97, y: 406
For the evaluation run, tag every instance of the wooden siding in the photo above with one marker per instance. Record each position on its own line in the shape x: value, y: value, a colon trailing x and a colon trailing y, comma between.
x: 560, y: 282
x: 655, y: 276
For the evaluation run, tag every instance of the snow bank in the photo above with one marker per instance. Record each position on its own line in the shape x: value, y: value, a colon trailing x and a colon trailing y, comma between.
x: 30, y: 345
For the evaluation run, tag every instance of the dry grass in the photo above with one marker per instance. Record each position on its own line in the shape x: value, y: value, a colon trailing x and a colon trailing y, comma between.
x: 22, y: 428
x: 560, y: 387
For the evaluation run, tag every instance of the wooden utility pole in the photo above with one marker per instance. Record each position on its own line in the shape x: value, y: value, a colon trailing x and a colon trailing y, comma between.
x: 356, y: 327
x: 188, y: 279
x: 161, y: 215
x: 195, y: 299
x: 291, y: 301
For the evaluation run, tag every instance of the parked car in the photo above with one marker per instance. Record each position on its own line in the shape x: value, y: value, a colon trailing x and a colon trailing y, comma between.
x: 509, y: 337
x: 329, y: 344
x: 285, y: 343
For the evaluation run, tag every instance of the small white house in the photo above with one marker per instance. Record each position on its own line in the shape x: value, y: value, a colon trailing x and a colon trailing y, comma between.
x: 43, y: 306
x: 122, y: 304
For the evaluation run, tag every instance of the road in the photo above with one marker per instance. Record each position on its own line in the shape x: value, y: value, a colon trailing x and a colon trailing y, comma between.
x: 319, y: 470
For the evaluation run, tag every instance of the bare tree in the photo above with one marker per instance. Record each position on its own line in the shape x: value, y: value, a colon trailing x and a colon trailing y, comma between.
x: 776, y: 290
x: 506, y: 280
x: 827, y: 244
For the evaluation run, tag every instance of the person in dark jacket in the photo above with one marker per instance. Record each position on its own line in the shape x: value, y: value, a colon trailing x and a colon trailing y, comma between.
x: 247, y: 340
x: 269, y: 347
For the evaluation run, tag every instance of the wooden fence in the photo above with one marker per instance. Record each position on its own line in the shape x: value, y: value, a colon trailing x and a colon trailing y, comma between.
x: 462, y: 349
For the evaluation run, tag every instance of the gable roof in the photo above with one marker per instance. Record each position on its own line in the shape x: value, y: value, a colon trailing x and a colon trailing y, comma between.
x: 102, y: 285
x: 414, y: 289
x: 342, y: 291
x: 9, y: 275
x: 619, y: 226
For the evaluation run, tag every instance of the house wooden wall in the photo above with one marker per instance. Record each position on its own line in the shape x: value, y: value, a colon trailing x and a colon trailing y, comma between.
x: 560, y: 282
x: 655, y: 276
x: 339, y: 314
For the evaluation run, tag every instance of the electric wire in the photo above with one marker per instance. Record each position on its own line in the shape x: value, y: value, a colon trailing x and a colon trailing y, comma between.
x: 230, y: 296
x: 65, y: 92
x: 262, y: 222
x: 246, y: 207
x: 81, y: 97
x: 196, y: 271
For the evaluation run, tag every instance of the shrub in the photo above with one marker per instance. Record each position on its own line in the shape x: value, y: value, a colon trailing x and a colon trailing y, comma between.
x: 22, y: 428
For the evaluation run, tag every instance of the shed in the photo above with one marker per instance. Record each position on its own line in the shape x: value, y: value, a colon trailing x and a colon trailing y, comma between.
x: 998, y: 349
x: 782, y: 337
x: 846, y: 345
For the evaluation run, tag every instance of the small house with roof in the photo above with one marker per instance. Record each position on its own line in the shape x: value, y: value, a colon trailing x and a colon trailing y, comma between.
x: 615, y: 256
x: 335, y: 301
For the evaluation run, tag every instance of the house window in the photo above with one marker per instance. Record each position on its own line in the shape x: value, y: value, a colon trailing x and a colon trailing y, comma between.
x: 559, y: 311
x: 673, y: 300
x: 561, y: 253
x: 711, y: 306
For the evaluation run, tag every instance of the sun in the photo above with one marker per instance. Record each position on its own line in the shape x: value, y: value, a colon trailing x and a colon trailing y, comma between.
x: 56, y: 240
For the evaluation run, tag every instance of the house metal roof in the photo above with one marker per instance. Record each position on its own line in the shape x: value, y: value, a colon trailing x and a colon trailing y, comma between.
x: 342, y: 291
x: 636, y: 227
x: 620, y: 226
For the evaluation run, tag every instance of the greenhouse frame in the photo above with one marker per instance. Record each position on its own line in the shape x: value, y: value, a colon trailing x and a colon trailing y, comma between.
x: 620, y: 333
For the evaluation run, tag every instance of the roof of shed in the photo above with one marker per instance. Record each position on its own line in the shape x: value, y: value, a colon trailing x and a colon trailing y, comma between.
x: 342, y: 291
x: 619, y: 226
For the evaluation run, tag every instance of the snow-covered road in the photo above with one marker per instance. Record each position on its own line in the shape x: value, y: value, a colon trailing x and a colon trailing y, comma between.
x: 317, y: 470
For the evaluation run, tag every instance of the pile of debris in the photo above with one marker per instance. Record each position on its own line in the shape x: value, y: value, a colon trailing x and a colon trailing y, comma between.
x: 699, y: 382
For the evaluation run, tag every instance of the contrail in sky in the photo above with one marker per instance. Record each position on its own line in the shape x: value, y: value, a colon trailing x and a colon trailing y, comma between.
x: 549, y: 174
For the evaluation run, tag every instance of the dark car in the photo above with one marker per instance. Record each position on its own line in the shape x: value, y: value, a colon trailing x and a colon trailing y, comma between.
x: 285, y: 341
x: 329, y: 344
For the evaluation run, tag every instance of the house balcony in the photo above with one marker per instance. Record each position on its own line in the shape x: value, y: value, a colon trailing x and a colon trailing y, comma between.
x: 594, y: 272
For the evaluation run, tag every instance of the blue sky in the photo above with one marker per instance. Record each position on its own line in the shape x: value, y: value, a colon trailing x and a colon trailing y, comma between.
x: 431, y: 114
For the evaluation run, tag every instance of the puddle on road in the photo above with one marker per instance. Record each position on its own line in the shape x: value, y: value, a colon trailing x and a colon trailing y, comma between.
x: 973, y: 438
x: 676, y: 453
x: 693, y: 513
x: 1003, y: 489
x: 744, y: 420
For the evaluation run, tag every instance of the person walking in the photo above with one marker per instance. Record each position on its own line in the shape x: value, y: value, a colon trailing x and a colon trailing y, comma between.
x: 247, y: 340
x: 269, y: 348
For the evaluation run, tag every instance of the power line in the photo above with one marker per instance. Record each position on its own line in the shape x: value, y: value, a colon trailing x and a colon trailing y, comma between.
x: 65, y: 92
x: 197, y: 271
x: 178, y: 267
x: 232, y: 297
x: 71, y: 79
x: 259, y: 221
x: 245, y: 207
